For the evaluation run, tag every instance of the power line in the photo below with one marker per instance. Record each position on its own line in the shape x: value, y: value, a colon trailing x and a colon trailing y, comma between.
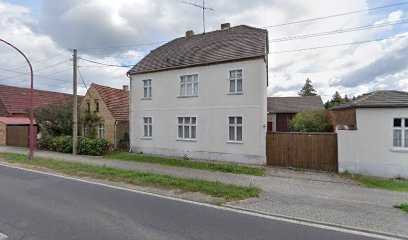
x: 337, y: 15
x: 82, y: 80
x: 336, y: 45
x: 320, y: 34
x: 105, y: 64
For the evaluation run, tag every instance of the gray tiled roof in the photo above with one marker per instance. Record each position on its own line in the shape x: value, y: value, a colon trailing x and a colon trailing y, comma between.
x: 233, y: 44
x: 294, y: 104
x: 378, y: 99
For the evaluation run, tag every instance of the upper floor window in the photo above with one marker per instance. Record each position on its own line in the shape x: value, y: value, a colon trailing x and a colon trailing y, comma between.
x: 235, y: 129
x: 147, y: 88
x: 187, y: 128
x: 400, y: 132
x: 88, y: 107
x: 189, y: 85
x: 147, y: 127
x: 96, y: 106
x: 235, y: 81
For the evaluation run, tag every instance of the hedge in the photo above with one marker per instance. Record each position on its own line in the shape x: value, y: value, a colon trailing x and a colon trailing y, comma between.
x: 86, y: 146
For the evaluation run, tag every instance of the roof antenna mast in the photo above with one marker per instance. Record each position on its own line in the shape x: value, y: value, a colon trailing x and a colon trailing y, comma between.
x: 203, y: 7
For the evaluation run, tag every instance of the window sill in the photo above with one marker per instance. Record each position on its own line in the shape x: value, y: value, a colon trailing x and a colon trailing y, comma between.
x: 186, y: 140
x: 399, y: 149
x: 146, y: 138
x: 235, y: 93
x: 235, y: 142
x: 146, y: 99
x: 187, y: 96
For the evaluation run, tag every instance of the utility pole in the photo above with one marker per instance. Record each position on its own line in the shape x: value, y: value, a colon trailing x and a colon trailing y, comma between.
x: 31, y: 133
x: 75, y: 105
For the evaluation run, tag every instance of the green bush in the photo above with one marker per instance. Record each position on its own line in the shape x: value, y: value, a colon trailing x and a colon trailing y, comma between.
x: 86, y: 146
x: 94, y: 147
x: 312, y: 121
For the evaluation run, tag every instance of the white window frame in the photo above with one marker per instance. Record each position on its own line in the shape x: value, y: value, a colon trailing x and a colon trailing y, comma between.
x: 404, y: 133
x: 101, y: 130
x: 235, y: 125
x: 193, y: 82
x: 147, y: 126
x: 147, y: 88
x: 235, y: 79
x: 184, y: 125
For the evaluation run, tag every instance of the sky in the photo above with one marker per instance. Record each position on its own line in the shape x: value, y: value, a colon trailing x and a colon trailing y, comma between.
x: 121, y: 32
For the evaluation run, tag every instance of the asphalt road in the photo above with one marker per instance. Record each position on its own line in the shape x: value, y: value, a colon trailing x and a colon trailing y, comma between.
x: 42, y: 207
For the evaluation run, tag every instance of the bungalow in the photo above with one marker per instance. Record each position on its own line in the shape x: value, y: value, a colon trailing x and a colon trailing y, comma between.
x: 203, y: 96
x: 281, y: 110
x: 373, y: 134
x: 104, y: 113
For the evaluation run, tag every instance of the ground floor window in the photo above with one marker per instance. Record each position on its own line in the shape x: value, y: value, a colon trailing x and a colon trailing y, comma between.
x: 400, y: 132
x: 187, y: 128
x: 147, y: 126
x: 101, y: 130
x: 235, y: 128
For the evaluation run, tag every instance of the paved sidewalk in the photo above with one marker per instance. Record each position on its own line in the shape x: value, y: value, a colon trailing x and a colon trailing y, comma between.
x: 313, y: 196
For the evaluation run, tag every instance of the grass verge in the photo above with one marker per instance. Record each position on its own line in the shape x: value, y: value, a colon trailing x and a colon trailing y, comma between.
x: 228, y: 192
x: 399, y: 185
x: 210, y: 166
x: 403, y: 207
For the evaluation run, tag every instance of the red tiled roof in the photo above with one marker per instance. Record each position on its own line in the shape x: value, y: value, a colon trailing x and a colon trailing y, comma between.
x: 15, y: 120
x: 16, y: 100
x: 232, y: 44
x: 116, y: 100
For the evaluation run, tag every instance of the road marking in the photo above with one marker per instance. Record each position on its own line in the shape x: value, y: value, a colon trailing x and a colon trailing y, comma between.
x: 3, y: 236
x: 304, y: 222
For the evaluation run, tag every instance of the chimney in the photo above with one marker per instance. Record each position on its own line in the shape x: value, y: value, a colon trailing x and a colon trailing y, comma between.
x: 125, y: 88
x: 189, y: 34
x: 225, y: 26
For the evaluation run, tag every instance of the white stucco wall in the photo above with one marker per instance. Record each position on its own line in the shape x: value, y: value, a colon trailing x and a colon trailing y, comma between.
x: 369, y: 149
x: 212, y: 108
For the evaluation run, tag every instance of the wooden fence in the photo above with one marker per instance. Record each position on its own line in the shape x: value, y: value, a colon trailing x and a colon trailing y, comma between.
x: 18, y: 136
x: 317, y: 151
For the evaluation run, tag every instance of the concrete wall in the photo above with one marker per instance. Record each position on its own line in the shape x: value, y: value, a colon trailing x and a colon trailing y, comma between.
x: 369, y: 149
x: 3, y: 134
x: 212, y: 108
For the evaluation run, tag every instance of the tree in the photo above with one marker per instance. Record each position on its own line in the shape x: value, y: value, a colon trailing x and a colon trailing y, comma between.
x: 55, y: 120
x: 308, y: 89
x: 337, y: 100
x: 311, y: 121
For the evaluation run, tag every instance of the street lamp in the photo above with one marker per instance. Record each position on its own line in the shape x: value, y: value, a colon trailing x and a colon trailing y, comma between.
x: 31, y: 128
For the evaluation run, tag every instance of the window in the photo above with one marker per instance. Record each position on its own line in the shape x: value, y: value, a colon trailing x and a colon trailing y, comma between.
x: 187, y: 128
x: 400, y: 132
x: 86, y: 131
x: 189, y: 85
x: 235, y: 81
x: 101, y: 130
x: 88, y: 107
x: 147, y: 88
x: 147, y: 127
x: 235, y: 129
x: 96, y: 106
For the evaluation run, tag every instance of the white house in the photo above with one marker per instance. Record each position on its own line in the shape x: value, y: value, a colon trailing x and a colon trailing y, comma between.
x: 373, y: 134
x: 203, y: 96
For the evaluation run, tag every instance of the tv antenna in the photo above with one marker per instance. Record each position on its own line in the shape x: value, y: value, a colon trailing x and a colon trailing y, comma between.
x: 203, y: 7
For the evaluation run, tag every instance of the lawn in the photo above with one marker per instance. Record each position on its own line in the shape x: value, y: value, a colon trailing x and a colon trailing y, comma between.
x: 228, y: 192
x: 210, y: 166
x: 399, y: 185
x: 403, y: 207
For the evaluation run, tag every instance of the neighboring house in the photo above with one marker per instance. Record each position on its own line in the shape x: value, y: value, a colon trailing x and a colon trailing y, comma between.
x: 203, y: 96
x: 373, y: 134
x: 110, y: 106
x: 15, y: 101
x: 281, y: 110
